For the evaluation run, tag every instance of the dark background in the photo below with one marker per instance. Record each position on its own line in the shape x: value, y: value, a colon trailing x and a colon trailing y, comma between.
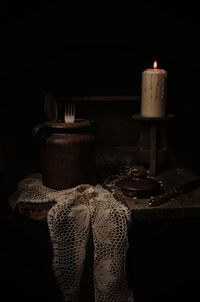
x: 73, y: 50
x: 78, y: 50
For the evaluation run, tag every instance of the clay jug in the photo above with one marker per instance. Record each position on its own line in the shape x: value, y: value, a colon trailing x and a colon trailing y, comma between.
x: 68, y: 153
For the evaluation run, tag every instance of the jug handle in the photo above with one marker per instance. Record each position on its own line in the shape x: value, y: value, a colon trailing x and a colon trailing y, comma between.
x: 37, y: 129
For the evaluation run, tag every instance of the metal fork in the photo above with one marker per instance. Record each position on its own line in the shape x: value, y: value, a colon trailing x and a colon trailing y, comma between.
x: 69, y: 113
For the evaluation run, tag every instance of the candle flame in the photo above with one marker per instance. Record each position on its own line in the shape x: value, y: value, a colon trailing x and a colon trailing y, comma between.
x: 155, y: 64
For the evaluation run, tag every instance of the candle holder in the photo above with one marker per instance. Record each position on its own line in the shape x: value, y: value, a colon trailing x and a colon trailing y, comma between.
x: 152, y: 148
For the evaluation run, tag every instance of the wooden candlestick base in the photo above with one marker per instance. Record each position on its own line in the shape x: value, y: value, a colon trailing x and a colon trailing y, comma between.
x: 152, y: 147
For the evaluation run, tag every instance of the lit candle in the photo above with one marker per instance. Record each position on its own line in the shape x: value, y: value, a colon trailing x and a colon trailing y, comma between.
x: 153, y: 98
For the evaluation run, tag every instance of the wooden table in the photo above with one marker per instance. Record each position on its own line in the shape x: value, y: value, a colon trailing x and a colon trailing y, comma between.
x: 184, y: 205
x: 163, y: 255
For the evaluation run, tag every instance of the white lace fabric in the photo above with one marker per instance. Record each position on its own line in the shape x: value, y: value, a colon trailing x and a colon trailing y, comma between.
x: 82, y: 214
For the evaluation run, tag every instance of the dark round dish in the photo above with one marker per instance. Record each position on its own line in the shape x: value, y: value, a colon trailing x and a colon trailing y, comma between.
x: 139, y: 187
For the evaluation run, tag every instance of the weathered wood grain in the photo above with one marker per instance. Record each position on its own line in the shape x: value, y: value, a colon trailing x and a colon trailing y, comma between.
x: 184, y: 205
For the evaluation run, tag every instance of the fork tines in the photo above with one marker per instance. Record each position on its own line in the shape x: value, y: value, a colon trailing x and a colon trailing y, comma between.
x: 69, y: 113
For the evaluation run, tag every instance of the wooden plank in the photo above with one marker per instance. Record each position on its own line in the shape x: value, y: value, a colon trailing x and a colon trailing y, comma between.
x: 186, y: 205
x: 101, y: 98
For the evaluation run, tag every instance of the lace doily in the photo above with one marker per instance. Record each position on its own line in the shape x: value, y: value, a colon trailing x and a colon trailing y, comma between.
x: 78, y: 216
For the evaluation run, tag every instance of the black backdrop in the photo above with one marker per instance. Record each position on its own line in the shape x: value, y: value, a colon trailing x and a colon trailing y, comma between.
x: 64, y: 49
x: 51, y: 46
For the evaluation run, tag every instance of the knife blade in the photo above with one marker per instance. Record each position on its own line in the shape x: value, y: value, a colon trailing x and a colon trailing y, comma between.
x: 176, y: 190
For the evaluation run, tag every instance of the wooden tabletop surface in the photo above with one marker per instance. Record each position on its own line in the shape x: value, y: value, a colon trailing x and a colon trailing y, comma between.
x: 183, y: 205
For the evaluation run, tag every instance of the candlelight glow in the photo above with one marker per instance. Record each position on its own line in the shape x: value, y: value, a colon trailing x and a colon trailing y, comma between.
x: 155, y: 64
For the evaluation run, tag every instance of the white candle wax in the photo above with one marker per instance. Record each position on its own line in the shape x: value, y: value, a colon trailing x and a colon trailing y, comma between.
x: 153, y: 99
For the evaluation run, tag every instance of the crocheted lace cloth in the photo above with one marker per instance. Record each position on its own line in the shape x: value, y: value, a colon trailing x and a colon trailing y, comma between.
x: 80, y: 216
